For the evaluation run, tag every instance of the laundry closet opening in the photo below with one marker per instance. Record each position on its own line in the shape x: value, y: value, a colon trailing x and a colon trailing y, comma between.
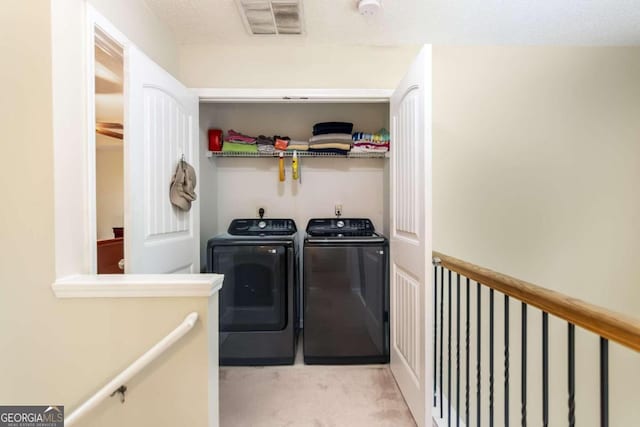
x: 237, y: 187
x: 341, y: 293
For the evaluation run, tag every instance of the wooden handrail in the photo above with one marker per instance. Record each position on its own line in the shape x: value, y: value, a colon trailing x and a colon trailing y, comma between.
x: 614, y: 326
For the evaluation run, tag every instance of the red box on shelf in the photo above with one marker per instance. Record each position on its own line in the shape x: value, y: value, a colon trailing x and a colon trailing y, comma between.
x: 215, y: 139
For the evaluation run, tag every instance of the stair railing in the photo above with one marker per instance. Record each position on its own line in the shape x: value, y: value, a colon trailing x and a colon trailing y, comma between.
x: 457, y: 275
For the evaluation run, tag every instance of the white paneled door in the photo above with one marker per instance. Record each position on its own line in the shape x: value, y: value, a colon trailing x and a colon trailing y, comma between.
x: 161, y: 126
x: 411, y: 235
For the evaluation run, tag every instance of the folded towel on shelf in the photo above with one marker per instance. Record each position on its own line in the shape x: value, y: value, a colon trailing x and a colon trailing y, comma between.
x: 382, y: 136
x: 370, y: 148
x: 266, y: 149
x: 330, y: 146
x: 235, y: 147
x: 298, y: 146
x: 237, y: 137
x: 371, y: 139
x: 371, y: 142
x: 329, y: 151
x: 379, y: 145
x: 331, y: 137
x: 332, y: 127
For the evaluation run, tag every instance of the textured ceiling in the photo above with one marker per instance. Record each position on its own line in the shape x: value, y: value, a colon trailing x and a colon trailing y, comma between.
x: 109, y: 72
x: 580, y: 22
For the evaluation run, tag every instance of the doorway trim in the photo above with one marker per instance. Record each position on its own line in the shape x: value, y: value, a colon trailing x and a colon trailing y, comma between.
x: 73, y: 103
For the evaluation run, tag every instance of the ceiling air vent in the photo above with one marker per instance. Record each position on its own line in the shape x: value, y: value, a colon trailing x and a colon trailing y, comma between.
x: 276, y: 17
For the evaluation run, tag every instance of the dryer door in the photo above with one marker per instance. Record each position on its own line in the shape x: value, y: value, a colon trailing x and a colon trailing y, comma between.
x: 254, y: 293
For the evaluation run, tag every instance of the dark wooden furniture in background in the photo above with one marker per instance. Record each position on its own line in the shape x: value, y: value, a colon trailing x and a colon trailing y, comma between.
x: 110, y: 252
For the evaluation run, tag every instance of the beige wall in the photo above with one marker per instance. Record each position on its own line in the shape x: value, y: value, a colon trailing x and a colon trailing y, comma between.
x: 536, y: 165
x: 135, y: 19
x: 109, y: 189
x: 61, y: 351
x: 287, y: 63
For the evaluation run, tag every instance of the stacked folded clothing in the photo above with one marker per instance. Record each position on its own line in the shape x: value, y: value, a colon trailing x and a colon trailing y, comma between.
x: 298, y: 146
x: 235, y: 147
x: 331, y: 141
x: 235, y: 142
x: 332, y: 127
x: 371, y: 142
x: 265, y: 144
x: 239, y: 138
x: 331, y: 137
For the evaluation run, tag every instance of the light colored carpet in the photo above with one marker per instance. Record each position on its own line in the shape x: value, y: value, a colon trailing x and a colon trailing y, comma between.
x: 311, y: 396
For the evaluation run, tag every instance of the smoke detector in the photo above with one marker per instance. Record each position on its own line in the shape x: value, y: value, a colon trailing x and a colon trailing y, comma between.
x: 369, y: 7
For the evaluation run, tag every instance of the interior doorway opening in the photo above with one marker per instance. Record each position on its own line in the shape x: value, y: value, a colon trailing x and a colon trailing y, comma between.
x: 109, y: 153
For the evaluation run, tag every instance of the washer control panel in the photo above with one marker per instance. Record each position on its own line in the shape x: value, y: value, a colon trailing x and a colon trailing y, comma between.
x: 262, y: 227
x: 343, y: 227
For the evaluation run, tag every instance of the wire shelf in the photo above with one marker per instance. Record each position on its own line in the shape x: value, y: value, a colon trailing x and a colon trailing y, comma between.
x: 216, y: 154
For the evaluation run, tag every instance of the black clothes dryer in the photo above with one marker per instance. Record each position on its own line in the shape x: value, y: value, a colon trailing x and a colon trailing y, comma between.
x: 345, y: 292
x: 258, y: 300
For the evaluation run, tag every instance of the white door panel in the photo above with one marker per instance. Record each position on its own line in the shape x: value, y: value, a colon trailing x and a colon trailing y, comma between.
x: 161, y: 122
x: 411, y: 235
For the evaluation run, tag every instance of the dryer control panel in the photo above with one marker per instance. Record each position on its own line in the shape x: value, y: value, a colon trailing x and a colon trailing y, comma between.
x: 262, y: 227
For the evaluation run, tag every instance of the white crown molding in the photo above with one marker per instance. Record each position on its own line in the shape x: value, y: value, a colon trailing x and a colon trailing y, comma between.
x: 137, y: 285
